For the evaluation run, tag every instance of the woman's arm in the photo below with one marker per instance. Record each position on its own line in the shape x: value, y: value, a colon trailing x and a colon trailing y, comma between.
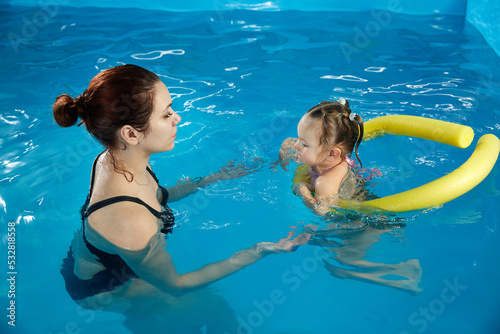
x: 157, y: 268
x: 188, y: 186
x: 215, y: 271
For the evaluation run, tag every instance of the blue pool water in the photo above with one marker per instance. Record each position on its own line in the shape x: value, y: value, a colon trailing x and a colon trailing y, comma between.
x: 241, y: 80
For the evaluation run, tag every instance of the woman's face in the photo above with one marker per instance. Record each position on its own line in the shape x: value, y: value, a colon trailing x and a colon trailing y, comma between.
x: 308, y: 146
x: 160, y: 136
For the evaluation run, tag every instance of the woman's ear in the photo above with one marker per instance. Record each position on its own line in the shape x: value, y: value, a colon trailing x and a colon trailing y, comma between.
x: 130, y: 135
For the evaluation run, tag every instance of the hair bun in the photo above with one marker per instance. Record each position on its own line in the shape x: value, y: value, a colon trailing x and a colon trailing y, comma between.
x: 65, y: 110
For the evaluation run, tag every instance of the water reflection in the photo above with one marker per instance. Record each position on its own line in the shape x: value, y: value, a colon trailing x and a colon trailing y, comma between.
x: 348, y: 244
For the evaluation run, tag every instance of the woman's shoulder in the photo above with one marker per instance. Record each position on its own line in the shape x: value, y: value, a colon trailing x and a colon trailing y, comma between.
x: 127, y: 225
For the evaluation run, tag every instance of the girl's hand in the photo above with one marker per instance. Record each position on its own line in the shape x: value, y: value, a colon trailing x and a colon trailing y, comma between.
x: 304, y: 190
x: 287, y: 153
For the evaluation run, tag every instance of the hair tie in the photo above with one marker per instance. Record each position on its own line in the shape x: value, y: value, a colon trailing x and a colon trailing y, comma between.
x: 79, y: 104
x: 352, y: 116
x: 342, y: 101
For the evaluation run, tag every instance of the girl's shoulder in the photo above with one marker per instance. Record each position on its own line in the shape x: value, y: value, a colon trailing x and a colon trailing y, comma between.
x: 329, y: 183
x: 338, y: 172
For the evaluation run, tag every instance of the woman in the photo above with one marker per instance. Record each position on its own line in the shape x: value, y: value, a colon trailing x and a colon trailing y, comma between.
x: 118, y: 259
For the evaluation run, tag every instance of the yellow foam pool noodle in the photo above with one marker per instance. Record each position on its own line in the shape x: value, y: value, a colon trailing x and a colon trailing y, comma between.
x: 413, y: 126
x: 442, y: 190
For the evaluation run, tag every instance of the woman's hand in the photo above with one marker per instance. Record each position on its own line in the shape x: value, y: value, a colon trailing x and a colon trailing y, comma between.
x: 230, y: 171
x: 285, y: 245
x: 189, y: 186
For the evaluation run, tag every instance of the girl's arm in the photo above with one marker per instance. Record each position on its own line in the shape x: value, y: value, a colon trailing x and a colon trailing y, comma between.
x: 320, y: 206
x: 325, y: 192
x: 327, y: 189
x: 304, y: 190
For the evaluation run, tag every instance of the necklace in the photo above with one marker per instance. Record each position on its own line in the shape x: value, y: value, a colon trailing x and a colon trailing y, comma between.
x: 142, y: 184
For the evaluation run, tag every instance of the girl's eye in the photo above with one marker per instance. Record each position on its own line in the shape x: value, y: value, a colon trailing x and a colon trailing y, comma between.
x: 167, y: 115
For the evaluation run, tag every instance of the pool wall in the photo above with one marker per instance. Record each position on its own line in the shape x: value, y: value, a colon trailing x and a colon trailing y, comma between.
x: 483, y: 14
x: 456, y: 7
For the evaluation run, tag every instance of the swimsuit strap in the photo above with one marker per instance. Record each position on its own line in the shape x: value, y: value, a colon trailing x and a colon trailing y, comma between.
x: 93, y: 173
x: 165, y: 216
x: 152, y: 174
x: 112, y: 200
x: 314, y: 173
x: 163, y: 190
x: 326, y: 170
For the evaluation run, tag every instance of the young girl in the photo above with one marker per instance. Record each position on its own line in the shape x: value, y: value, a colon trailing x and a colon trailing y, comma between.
x: 328, y: 133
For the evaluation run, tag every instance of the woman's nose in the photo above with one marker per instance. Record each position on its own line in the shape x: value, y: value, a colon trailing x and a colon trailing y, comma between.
x: 177, y: 119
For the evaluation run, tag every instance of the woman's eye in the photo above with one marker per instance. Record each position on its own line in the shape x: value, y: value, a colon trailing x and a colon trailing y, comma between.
x: 167, y: 115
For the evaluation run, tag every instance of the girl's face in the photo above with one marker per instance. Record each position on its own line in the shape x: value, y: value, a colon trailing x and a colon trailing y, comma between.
x: 308, y: 147
x: 162, y: 130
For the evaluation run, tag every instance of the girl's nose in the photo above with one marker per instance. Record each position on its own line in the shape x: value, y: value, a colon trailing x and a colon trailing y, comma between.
x: 296, y: 145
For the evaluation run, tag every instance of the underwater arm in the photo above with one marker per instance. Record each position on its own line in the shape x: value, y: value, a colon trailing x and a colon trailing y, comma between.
x: 239, y: 260
x: 157, y: 268
x: 188, y: 186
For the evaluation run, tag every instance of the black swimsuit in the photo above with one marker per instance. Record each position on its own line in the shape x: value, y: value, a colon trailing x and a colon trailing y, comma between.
x: 116, y: 271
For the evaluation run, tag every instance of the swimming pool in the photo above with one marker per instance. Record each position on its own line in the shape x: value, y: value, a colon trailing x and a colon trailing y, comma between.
x: 241, y: 80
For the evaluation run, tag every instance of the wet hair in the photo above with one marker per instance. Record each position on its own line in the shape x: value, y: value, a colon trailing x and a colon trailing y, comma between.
x: 337, y: 128
x: 118, y: 96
